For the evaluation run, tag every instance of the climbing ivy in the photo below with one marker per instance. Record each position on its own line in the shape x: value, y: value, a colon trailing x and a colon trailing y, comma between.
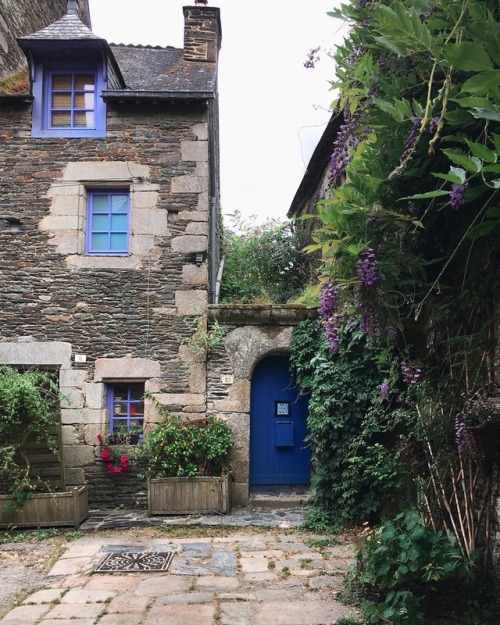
x: 355, y: 473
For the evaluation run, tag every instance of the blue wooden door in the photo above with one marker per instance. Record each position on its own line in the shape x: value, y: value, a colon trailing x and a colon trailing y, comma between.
x: 278, y: 426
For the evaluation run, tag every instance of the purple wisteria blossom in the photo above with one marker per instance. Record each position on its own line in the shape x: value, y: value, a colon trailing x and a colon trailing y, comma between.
x: 367, y: 267
x: 411, y: 138
x: 312, y: 58
x: 433, y: 124
x: 384, y: 389
x: 351, y: 133
x: 457, y: 194
x: 410, y: 375
x: 328, y: 300
x: 332, y: 332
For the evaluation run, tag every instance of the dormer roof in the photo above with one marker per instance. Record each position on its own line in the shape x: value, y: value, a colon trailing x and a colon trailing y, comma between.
x: 69, y: 27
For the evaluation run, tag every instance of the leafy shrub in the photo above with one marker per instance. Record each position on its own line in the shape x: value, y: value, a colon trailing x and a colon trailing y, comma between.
x: 175, y: 448
x: 263, y: 263
x: 399, y: 559
x: 28, y: 402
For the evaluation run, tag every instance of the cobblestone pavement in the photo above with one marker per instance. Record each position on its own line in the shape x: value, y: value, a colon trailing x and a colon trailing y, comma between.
x: 277, y: 575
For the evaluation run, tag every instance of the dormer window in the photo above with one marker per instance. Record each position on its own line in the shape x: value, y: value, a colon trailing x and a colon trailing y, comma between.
x: 67, y: 102
x: 72, y: 100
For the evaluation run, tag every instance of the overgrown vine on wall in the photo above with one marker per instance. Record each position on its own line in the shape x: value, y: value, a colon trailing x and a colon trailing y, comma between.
x: 409, y: 232
x: 409, y: 237
x: 355, y: 472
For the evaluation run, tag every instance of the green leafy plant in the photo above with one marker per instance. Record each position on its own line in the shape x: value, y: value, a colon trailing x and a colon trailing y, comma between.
x: 204, y: 339
x: 355, y: 474
x: 177, y: 448
x: 28, y: 414
x: 400, y: 559
x: 263, y: 264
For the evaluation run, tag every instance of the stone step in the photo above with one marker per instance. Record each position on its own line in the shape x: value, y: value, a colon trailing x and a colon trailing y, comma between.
x: 281, y: 499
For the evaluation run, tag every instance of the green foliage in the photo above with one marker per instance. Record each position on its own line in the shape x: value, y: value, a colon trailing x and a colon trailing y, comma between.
x: 28, y: 405
x: 400, y: 555
x: 12, y: 535
x: 263, y: 264
x: 204, y: 340
x: 418, y: 86
x: 175, y: 448
x: 354, y: 473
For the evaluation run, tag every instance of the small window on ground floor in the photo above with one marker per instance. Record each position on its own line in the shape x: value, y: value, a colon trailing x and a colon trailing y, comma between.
x: 126, y: 407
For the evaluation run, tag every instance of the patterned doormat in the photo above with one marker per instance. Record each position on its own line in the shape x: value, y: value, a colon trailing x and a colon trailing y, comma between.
x: 135, y: 562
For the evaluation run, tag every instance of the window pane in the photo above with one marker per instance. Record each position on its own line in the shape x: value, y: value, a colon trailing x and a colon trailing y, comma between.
x: 61, y: 101
x: 62, y: 82
x: 137, y: 408
x: 137, y: 392
x: 136, y: 423
x: 84, y: 120
x: 84, y: 100
x: 99, y: 242
x: 119, y: 203
x: 120, y: 408
x: 84, y: 82
x: 119, y: 223
x: 118, y: 243
x: 120, y: 424
x: 99, y: 203
x: 100, y: 223
x: 120, y: 391
x: 61, y: 119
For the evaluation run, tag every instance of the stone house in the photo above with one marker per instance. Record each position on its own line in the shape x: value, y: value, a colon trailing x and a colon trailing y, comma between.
x: 109, y: 245
x: 109, y: 181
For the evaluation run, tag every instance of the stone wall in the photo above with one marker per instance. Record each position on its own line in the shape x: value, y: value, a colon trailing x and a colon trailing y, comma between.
x: 23, y: 17
x: 126, y: 317
x: 252, y: 334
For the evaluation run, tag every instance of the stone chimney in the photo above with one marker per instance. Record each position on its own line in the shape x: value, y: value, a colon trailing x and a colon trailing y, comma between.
x: 202, y: 33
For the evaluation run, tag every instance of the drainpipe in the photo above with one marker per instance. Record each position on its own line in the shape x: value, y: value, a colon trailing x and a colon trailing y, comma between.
x: 214, y: 192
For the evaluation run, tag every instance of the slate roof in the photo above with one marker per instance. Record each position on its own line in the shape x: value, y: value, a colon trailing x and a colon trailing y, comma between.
x: 68, y: 27
x: 157, y: 71
x: 147, y: 68
x: 316, y: 167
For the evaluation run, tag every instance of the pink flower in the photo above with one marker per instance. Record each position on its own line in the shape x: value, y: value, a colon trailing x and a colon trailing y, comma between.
x: 105, y: 455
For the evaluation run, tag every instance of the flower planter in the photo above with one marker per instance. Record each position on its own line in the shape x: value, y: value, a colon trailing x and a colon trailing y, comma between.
x: 189, y: 495
x: 68, y: 508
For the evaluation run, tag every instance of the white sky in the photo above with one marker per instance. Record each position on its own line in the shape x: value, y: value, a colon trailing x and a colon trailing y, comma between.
x: 272, y: 109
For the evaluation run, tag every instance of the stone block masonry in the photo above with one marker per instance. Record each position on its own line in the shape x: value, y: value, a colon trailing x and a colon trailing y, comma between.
x: 128, y: 316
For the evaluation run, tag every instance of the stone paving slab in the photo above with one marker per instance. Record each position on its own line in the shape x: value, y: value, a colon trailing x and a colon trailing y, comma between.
x: 181, y: 614
x: 224, y: 580
x: 74, y: 611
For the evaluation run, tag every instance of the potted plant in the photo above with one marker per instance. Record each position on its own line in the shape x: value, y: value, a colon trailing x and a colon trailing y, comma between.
x: 118, y: 448
x: 32, y: 485
x: 187, y: 465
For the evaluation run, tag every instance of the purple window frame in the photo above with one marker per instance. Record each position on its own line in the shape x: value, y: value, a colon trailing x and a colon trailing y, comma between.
x: 42, y: 99
x: 126, y: 404
x: 109, y: 230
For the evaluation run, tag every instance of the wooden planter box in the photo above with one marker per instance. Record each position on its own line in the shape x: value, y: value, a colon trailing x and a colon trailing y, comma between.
x: 47, y: 509
x: 189, y: 495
